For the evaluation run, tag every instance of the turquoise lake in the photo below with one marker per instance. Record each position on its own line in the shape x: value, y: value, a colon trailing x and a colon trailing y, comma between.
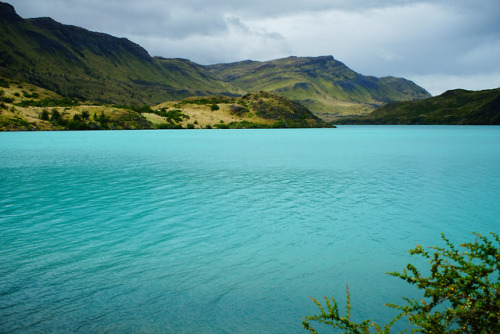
x: 229, y: 231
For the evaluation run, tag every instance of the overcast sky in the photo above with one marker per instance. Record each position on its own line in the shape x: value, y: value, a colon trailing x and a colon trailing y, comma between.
x: 438, y: 44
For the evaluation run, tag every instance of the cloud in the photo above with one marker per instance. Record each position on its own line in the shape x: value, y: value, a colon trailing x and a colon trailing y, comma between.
x: 438, y: 83
x: 238, y: 42
x: 381, y: 40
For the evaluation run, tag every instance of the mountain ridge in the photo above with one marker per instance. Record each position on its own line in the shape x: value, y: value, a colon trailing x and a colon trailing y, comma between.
x: 76, y: 62
x: 324, y: 84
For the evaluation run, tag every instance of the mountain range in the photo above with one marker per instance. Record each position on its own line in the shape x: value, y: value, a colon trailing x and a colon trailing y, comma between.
x: 75, y: 62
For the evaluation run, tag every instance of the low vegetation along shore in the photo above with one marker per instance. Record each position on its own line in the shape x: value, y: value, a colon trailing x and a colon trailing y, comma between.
x: 25, y: 107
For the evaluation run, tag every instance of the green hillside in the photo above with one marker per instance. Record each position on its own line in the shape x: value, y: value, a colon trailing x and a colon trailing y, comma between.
x: 326, y: 86
x: 25, y: 106
x: 75, y: 62
x: 452, y: 107
x: 79, y: 63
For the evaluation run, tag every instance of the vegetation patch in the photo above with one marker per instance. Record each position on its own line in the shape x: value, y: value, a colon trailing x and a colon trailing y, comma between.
x: 45, y: 110
x: 208, y: 100
x: 15, y: 123
x: 64, y: 102
x: 172, y: 116
x: 4, y: 83
x: 460, y: 293
x: 168, y: 126
x: 455, y: 107
x: 238, y: 110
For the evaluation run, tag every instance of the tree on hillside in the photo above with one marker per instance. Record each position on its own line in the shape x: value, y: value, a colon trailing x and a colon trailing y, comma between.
x: 85, y: 115
x: 461, y: 293
x: 55, y: 116
x: 44, y: 115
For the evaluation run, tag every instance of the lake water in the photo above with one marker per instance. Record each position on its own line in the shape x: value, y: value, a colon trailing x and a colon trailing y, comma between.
x: 228, y: 231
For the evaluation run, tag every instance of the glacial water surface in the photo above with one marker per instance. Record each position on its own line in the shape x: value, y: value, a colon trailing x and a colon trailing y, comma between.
x: 228, y: 231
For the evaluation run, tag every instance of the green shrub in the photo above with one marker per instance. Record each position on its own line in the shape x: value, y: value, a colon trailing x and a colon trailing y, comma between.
x: 280, y: 124
x: 169, y: 126
x: 22, y: 122
x: 246, y: 125
x: 44, y: 115
x: 208, y: 100
x: 64, y: 102
x: 214, y: 107
x: 85, y: 115
x: 103, y: 119
x: 4, y: 83
x: 221, y: 126
x: 172, y: 116
x: 176, y: 116
x: 238, y: 110
x: 77, y: 124
x: 143, y: 109
x: 7, y: 99
x: 461, y: 293
x: 30, y: 96
x: 55, y: 115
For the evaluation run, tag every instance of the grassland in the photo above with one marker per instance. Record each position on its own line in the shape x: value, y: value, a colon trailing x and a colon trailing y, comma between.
x: 25, y: 106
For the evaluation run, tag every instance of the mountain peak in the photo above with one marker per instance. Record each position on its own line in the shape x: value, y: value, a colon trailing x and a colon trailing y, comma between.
x: 7, y: 12
x: 323, y: 58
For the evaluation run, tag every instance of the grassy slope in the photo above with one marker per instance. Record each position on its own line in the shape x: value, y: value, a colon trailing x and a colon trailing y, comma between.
x: 17, y: 117
x: 94, y: 66
x: 22, y: 106
x: 326, y: 86
x: 253, y: 110
x: 452, y: 107
x: 75, y: 62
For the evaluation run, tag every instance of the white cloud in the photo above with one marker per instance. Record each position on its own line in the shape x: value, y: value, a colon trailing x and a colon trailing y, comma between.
x: 438, y: 83
x: 239, y: 42
x: 379, y: 38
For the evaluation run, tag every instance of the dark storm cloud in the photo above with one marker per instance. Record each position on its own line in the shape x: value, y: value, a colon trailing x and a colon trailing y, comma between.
x: 440, y: 44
